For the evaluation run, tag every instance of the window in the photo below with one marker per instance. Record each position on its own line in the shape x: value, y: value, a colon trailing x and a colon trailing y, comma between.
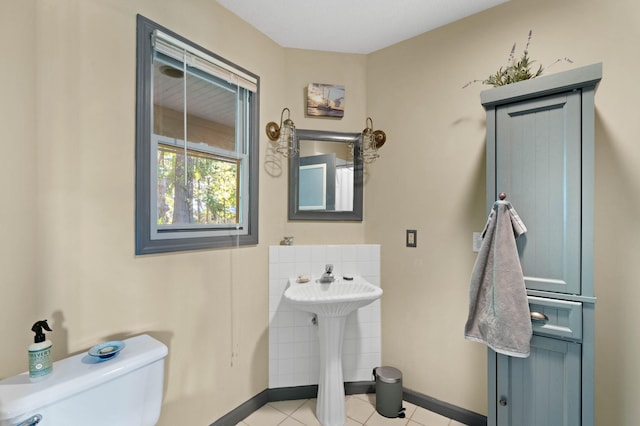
x: 196, y: 146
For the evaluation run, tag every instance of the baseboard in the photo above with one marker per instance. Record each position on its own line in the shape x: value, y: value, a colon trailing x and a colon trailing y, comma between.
x: 444, y: 408
x: 244, y: 410
x: 311, y: 391
x: 292, y: 393
x: 307, y: 392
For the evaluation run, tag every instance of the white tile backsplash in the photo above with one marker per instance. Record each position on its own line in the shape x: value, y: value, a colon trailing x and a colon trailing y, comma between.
x: 293, y: 339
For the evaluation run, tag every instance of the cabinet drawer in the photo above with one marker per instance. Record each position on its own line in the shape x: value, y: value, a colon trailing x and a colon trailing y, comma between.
x: 557, y: 318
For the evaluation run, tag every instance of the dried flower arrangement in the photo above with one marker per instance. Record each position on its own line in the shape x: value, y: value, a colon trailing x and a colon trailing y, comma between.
x: 516, y: 70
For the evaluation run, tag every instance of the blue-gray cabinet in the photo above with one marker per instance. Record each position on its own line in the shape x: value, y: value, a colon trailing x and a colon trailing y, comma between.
x: 540, y: 152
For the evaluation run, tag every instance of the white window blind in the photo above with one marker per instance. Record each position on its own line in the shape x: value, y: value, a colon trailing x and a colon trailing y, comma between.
x: 180, y: 51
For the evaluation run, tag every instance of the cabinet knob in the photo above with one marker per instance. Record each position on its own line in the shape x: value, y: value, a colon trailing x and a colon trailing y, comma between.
x: 503, y: 401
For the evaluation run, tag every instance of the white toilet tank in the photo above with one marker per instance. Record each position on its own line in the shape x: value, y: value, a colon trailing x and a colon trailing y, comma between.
x: 125, y: 390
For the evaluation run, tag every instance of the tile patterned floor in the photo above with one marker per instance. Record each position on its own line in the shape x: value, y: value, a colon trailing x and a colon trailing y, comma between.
x: 360, y: 411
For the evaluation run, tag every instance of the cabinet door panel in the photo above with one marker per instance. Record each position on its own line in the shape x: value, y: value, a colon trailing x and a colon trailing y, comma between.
x: 538, y: 165
x: 543, y: 389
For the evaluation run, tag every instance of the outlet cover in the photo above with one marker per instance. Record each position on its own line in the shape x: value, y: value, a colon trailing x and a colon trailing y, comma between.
x: 412, y: 238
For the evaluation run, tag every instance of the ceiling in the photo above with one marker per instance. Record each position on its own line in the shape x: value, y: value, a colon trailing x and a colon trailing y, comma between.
x: 350, y: 26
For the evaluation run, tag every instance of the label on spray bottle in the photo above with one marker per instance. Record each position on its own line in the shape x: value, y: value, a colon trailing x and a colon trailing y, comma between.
x: 40, y: 363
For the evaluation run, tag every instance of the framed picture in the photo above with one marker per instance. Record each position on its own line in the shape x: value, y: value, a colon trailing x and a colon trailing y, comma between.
x: 325, y: 100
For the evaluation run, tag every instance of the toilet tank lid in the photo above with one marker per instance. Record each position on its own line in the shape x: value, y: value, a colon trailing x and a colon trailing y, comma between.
x: 76, y: 374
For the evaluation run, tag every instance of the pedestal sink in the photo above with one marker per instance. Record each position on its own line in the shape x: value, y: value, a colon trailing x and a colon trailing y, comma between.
x: 332, y: 303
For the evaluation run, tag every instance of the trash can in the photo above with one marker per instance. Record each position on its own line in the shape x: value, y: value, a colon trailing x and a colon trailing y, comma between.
x: 389, y: 392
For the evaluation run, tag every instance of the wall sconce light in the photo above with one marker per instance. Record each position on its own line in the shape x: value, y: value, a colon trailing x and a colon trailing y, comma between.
x: 371, y: 141
x: 285, y: 134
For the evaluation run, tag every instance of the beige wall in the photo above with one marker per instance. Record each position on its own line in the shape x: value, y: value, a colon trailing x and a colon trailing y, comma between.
x: 68, y: 236
x: 68, y: 219
x: 431, y: 178
x: 302, y: 67
x: 18, y: 226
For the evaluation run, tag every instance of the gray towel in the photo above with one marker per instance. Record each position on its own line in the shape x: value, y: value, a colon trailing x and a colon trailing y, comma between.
x: 498, y: 308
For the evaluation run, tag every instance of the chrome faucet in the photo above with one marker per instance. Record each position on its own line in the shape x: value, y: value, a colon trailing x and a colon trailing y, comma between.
x: 327, y: 276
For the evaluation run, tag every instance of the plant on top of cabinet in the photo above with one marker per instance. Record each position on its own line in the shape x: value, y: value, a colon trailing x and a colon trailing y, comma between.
x: 517, y: 69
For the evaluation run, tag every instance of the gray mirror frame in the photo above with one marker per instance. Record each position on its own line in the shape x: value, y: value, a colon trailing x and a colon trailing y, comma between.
x: 294, y: 174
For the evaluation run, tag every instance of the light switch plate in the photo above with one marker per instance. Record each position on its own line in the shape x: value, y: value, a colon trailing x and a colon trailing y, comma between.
x: 412, y: 238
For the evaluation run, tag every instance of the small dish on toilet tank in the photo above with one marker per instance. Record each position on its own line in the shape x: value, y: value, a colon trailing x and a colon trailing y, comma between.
x: 107, y: 350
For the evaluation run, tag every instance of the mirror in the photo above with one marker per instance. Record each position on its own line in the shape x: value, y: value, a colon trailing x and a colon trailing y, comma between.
x: 325, y: 179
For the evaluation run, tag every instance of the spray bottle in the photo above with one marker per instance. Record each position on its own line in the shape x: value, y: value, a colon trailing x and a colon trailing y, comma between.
x: 40, y: 364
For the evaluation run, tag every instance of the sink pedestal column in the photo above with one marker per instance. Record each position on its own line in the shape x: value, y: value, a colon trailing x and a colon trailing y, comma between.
x: 330, y: 409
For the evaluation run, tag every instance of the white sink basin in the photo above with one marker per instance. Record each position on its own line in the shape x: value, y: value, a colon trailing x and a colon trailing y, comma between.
x: 338, y: 298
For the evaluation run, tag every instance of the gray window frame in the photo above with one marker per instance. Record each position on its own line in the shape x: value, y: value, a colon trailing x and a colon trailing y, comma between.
x: 198, y: 239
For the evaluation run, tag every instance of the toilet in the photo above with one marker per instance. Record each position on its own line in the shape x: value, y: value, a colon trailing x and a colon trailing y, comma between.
x: 125, y: 390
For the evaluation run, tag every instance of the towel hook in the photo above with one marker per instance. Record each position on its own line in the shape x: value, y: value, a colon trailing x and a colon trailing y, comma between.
x: 502, y: 196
